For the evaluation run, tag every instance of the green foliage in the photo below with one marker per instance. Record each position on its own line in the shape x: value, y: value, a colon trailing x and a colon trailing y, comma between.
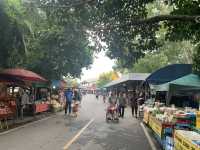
x: 150, y: 63
x: 52, y: 42
x: 107, y: 77
x: 125, y: 42
x: 169, y: 53
x: 196, y: 59
x: 184, y: 30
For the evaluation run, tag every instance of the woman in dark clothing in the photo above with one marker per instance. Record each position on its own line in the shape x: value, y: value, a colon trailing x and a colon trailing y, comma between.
x: 122, y: 104
x: 134, y: 105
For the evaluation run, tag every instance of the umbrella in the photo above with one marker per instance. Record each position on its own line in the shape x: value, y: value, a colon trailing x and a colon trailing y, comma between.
x: 22, y: 74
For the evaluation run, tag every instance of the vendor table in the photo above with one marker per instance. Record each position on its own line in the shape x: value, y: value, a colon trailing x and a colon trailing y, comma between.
x: 186, y: 140
x: 146, y: 117
x: 157, y: 126
x: 41, y: 108
x: 5, y: 113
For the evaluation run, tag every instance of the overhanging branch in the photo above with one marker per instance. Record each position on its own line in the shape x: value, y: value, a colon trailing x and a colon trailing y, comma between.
x: 151, y: 20
x: 156, y: 19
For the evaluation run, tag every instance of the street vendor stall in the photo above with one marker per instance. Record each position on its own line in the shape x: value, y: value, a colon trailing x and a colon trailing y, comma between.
x: 187, y: 85
x: 57, y: 96
x: 165, y: 120
x: 8, y: 108
x: 42, y: 97
x: 16, y: 82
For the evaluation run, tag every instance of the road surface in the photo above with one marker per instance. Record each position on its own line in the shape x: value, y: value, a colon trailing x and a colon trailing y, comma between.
x: 88, y: 131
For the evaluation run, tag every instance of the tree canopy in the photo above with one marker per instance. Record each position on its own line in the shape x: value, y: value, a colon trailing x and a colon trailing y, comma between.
x: 52, y: 42
x: 56, y: 38
x: 107, y: 77
x: 130, y: 32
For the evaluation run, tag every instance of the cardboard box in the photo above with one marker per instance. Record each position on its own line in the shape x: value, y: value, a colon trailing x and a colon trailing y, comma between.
x: 155, y: 125
x: 198, y: 119
x: 183, y: 140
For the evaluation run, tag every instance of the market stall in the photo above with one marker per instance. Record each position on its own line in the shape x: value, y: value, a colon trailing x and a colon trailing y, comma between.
x: 15, y: 82
x: 186, y: 85
x: 165, y: 121
x: 7, y: 105
x: 57, y: 98
x: 178, y: 116
x: 42, y: 98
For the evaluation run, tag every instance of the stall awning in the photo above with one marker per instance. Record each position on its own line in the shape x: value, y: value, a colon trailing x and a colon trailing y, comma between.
x: 188, y: 82
x: 128, y: 77
x: 21, y: 74
x: 169, y: 73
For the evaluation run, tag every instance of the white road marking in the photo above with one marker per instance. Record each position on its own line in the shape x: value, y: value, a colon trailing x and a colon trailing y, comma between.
x: 153, y: 147
x: 26, y: 125
x: 77, y: 135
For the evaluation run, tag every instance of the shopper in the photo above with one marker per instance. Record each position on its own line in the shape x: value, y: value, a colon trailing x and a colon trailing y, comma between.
x: 69, y: 97
x: 76, y: 102
x: 24, y: 101
x: 134, y: 105
x: 122, y: 104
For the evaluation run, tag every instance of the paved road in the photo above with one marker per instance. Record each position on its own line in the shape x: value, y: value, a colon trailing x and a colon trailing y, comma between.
x: 58, y: 131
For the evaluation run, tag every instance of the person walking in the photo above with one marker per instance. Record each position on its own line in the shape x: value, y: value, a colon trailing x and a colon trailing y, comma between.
x: 24, y: 101
x: 122, y: 104
x: 69, y: 97
x: 134, y: 105
x: 76, y: 102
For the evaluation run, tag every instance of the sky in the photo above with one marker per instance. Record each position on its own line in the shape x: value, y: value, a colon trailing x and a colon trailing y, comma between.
x: 100, y: 65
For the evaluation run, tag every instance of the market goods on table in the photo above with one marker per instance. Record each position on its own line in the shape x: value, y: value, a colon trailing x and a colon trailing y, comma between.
x: 41, y: 106
x: 171, y: 124
x: 5, y: 111
x: 186, y: 140
x: 56, y: 105
x: 198, y: 119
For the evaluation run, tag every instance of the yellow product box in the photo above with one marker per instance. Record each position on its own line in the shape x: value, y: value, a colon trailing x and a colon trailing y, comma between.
x: 150, y: 121
x: 183, y: 140
x: 155, y: 125
x: 198, y: 119
x: 146, y: 117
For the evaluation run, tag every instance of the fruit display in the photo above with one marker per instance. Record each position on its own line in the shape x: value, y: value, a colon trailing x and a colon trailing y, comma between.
x: 174, y: 127
x: 41, y: 106
x: 5, y: 110
x: 56, y: 104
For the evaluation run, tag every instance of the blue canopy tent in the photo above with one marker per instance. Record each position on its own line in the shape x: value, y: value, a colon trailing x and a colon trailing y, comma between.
x: 169, y: 73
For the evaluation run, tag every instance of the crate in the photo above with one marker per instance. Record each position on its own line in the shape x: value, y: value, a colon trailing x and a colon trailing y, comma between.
x: 184, y: 140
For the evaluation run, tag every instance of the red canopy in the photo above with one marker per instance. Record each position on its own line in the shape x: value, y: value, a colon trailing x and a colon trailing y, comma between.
x: 23, y: 75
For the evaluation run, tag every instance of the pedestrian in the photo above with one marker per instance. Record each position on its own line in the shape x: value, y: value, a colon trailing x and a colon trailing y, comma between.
x: 112, y: 99
x: 24, y: 101
x: 134, y: 105
x: 122, y: 104
x: 140, y: 101
x: 76, y: 102
x: 69, y: 97
x: 104, y: 98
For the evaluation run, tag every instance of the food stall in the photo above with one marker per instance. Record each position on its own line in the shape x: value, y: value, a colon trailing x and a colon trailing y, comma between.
x: 57, y: 97
x: 8, y: 106
x: 42, y: 97
x: 178, y: 113
x: 12, y: 82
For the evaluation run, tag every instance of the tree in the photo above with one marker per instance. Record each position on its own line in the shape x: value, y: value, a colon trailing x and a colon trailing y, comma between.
x: 12, y: 30
x: 62, y: 42
x: 107, y: 77
x: 130, y: 32
x: 52, y: 42
x: 150, y: 62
